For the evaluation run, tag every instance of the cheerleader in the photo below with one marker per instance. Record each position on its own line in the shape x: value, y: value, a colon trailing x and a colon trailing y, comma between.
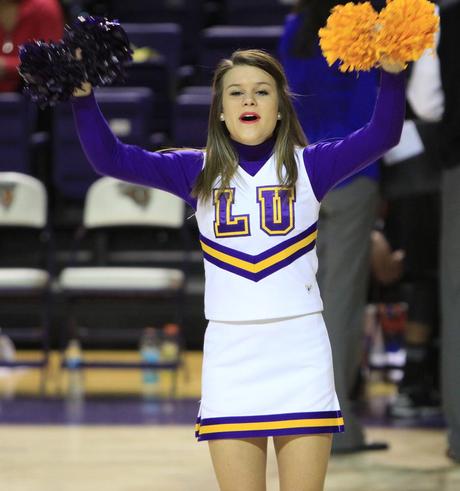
x: 267, y: 366
x: 256, y: 189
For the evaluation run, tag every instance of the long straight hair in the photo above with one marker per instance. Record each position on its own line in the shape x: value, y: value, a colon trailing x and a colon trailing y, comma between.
x: 221, y: 158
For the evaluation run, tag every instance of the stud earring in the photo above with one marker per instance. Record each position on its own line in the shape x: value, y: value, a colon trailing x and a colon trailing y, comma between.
x: 222, y: 117
x: 279, y: 116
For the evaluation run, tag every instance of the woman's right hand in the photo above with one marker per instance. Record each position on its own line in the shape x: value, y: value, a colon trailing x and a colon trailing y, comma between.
x: 390, y: 65
x: 83, y: 91
x: 86, y: 87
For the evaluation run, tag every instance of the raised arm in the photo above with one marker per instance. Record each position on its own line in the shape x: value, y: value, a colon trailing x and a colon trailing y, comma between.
x: 174, y: 171
x: 330, y: 162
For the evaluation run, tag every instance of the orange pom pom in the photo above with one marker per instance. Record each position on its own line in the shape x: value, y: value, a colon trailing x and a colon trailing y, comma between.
x: 349, y: 36
x: 406, y: 29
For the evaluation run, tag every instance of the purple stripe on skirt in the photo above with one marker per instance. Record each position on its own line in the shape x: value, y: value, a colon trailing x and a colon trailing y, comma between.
x: 270, y: 417
x: 266, y: 433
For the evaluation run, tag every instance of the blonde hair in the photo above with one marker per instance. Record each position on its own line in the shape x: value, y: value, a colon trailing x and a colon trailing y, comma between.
x: 221, y: 158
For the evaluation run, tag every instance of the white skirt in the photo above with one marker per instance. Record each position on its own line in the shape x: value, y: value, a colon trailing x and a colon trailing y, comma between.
x: 267, y: 378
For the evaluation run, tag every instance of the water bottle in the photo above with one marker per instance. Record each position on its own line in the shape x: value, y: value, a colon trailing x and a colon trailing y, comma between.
x: 170, y: 347
x: 7, y: 349
x: 149, y: 348
x: 73, y: 354
x: 170, y: 353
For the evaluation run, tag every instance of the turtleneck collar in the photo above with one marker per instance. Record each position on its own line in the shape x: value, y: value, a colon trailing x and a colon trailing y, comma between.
x: 254, y: 153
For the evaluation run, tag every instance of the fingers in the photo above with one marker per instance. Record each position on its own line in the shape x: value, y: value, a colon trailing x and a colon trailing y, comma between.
x: 398, y: 255
x: 83, y: 91
x: 390, y: 65
x: 86, y: 87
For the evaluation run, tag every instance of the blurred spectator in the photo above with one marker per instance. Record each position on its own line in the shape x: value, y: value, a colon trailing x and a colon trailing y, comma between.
x: 386, y: 263
x: 411, y: 182
x: 21, y: 21
x: 426, y: 102
x: 412, y: 225
x: 450, y: 223
x: 331, y: 104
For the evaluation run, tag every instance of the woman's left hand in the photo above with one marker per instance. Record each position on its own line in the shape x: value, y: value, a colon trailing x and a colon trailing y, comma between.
x: 390, y: 65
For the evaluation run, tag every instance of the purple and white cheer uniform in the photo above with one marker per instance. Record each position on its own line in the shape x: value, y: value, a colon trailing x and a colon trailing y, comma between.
x: 267, y: 367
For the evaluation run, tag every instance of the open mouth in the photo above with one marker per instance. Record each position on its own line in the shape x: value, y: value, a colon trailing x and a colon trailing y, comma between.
x: 249, y: 118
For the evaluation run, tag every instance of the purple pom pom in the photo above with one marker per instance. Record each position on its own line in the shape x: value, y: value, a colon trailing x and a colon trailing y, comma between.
x: 50, y: 72
x: 105, y: 48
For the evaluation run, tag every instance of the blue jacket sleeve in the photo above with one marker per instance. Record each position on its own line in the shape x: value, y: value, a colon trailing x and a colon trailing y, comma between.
x: 329, y: 162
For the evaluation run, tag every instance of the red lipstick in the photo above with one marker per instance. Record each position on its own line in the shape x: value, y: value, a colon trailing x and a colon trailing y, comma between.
x: 249, y: 118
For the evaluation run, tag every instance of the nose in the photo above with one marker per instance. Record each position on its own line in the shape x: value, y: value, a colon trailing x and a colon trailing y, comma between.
x: 248, y: 100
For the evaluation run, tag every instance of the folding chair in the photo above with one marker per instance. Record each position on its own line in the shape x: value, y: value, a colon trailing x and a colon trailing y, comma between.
x: 131, y: 278
x: 25, y: 258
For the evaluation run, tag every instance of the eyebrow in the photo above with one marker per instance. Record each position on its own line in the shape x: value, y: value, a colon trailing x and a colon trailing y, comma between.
x: 257, y: 83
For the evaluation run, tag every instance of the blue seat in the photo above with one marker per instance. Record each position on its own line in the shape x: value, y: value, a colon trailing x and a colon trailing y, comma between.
x: 164, y: 38
x: 154, y: 75
x: 256, y: 12
x: 220, y: 41
x: 190, y: 124
x: 198, y: 89
x: 17, y: 121
x: 187, y: 13
x: 129, y: 113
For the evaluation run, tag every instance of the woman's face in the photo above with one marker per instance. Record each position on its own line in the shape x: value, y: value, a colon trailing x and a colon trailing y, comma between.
x: 250, y: 104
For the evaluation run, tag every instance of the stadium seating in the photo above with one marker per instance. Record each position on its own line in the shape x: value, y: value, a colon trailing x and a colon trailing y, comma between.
x: 163, y: 38
x: 220, y: 41
x: 187, y: 13
x: 17, y: 119
x: 129, y: 113
x: 256, y: 12
x: 191, y: 113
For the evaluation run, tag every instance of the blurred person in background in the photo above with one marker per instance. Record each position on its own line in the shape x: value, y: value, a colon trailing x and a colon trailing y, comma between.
x: 433, y: 93
x: 21, y: 21
x: 330, y: 103
x: 411, y: 185
x: 449, y: 138
x: 448, y: 155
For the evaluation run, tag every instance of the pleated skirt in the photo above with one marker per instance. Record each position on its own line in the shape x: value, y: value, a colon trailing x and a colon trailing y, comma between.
x: 267, y: 378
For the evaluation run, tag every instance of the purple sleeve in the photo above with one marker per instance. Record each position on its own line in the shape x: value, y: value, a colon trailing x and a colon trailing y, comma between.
x: 330, y: 162
x: 173, y: 171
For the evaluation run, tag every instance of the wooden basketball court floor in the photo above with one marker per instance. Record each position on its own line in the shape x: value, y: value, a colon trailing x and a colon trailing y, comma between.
x: 166, y: 457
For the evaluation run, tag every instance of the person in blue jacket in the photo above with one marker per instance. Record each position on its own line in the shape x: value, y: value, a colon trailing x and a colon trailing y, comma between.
x: 331, y: 104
